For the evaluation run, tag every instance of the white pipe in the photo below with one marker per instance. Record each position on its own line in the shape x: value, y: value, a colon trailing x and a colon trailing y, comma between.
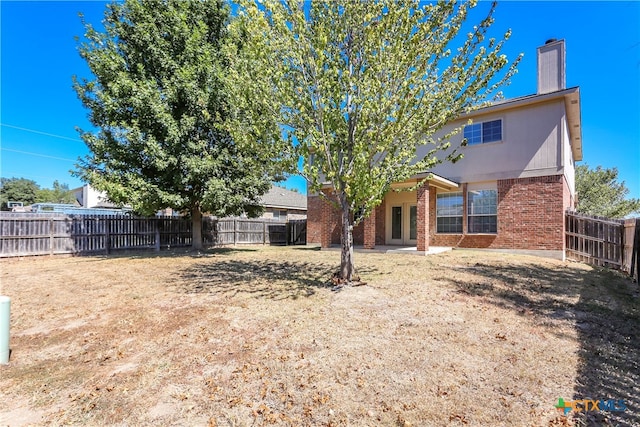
x: 5, y: 310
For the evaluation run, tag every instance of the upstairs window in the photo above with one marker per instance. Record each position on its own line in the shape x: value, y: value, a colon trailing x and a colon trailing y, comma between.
x: 484, y: 132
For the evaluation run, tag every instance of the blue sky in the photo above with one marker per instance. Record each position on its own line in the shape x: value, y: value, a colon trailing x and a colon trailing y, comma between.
x: 39, y: 109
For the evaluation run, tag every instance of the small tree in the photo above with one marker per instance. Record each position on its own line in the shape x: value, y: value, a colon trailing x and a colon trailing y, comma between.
x: 360, y: 85
x: 159, y: 100
x: 600, y: 193
x: 17, y: 190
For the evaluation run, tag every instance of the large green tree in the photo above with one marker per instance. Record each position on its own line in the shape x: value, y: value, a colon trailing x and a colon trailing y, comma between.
x: 60, y: 193
x: 600, y: 193
x: 17, y: 190
x: 159, y: 99
x: 361, y: 84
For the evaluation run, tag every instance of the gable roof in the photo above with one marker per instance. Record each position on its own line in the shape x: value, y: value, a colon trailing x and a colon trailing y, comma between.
x: 278, y: 197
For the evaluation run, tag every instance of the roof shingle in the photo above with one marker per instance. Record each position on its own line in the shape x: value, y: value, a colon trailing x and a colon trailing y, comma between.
x: 278, y: 197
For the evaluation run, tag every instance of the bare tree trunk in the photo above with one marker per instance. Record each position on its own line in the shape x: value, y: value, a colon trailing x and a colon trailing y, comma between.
x: 347, y: 266
x: 196, y: 228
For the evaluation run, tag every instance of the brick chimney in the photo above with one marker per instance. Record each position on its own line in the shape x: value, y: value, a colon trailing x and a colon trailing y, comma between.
x: 551, y: 67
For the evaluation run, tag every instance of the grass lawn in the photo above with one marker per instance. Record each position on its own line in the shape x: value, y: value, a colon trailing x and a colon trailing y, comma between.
x: 255, y: 336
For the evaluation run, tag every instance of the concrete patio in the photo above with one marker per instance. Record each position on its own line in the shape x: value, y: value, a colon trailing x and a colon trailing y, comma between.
x: 389, y: 249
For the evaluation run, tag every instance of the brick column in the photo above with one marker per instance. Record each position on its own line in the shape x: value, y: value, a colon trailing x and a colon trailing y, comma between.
x: 381, y: 212
x: 423, y: 218
x: 370, y: 231
x: 325, y: 221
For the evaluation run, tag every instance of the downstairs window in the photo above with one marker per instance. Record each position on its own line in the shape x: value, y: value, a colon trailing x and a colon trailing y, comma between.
x: 449, y: 210
x: 482, y: 211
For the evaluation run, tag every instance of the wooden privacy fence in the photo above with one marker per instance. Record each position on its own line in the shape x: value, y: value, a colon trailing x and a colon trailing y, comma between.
x: 602, y: 241
x: 631, y: 252
x: 48, y: 234
x: 237, y: 231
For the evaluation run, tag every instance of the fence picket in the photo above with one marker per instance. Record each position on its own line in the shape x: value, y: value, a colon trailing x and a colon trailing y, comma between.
x: 600, y: 241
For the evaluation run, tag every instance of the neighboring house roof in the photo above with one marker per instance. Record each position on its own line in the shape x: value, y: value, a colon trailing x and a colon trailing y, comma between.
x: 278, y: 197
x: 106, y: 204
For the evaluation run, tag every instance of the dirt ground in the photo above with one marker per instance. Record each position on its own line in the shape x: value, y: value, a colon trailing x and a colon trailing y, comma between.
x: 256, y: 336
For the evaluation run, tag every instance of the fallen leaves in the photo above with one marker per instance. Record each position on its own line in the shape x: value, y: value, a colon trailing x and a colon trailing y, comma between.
x: 411, y: 350
x: 459, y: 418
x: 501, y: 337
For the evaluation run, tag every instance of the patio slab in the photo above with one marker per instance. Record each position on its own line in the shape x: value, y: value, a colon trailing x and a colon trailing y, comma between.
x: 387, y: 249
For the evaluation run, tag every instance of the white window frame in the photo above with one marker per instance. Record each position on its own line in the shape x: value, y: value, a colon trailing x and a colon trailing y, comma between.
x: 474, y: 211
x: 279, y: 214
x: 481, y: 126
x: 461, y: 216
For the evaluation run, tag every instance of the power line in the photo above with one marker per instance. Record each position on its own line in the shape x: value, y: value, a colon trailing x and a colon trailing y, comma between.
x: 41, y: 133
x: 37, y: 154
x: 6, y: 174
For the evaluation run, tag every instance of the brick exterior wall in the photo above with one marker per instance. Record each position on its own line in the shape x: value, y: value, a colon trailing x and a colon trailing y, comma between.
x: 314, y: 219
x: 335, y: 222
x: 568, y: 199
x: 423, y: 217
x: 358, y: 234
x: 381, y: 212
x: 369, y: 225
x: 323, y: 222
x: 531, y: 213
x: 358, y: 230
x: 530, y: 216
x: 321, y: 215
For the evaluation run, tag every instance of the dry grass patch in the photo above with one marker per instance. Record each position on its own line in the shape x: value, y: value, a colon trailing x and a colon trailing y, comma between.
x: 256, y: 336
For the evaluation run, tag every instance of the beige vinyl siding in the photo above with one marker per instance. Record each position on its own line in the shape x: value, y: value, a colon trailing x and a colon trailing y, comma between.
x: 568, y: 162
x: 531, y: 145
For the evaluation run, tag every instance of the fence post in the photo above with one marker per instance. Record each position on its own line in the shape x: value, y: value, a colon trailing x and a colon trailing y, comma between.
x: 107, y: 236
x: 635, y: 256
x: 287, y: 233
x: 264, y: 233
x: 235, y: 232
x: 156, y: 229
x: 50, y: 236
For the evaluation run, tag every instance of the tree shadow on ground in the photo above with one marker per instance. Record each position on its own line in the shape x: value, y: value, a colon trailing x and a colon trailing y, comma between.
x: 609, y: 331
x: 144, y: 253
x: 270, y: 279
x: 606, y: 317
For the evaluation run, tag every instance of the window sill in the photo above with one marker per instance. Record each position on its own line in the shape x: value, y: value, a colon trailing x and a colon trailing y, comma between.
x: 439, y: 233
x: 482, y: 234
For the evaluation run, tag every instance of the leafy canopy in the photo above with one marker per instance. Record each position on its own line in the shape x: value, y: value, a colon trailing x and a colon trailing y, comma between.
x: 18, y: 190
x: 29, y: 192
x: 159, y: 99
x: 600, y: 193
x: 60, y: 193
x: 359, y: 85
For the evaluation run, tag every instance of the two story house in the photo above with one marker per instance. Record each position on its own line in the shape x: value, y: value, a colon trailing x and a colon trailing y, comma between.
x: 510, y: 191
